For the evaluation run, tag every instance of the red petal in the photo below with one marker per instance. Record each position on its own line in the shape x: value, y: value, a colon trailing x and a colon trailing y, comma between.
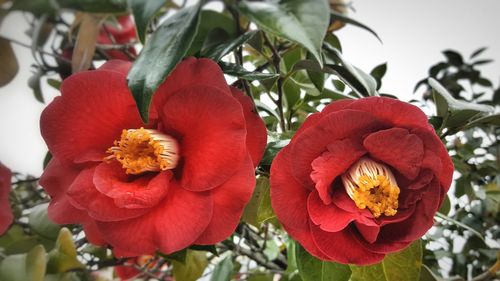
x: 434, y: 150
x: 289, y: 202
x: 84, y: 195
x: 397, y: 148
x: 340, y: 156
x: 210, y: 127
x: 331, y: 218
x: 94, y: 108
x: 56, y: 179
x: 398, y: 113
x: 334, y: 126
x: 229, y: 201
x: 256, y: 129
x: 422, y: 219
x: 92, y: 233
x: 337, y: 106
x: 119, y: 66
x: 192, y: 72
x: 6, y: 216
x: 369, y: 232
x: 342, y: 247
x: 171, y: 226
x: 313, y: 119
x: 344, y: 202
x: 145, y: 191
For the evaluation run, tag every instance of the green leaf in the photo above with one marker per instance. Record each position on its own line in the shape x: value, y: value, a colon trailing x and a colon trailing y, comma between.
x: 352, y: 75
x: 41, y: 224
x: 491, y: 120
x: 359, y: 81
x: 445, y: 206
x: 459, y: 112
x: 210, y: 21
x: 478, y: 52
x: 179, y: 256
x: 272, y: 149
x: 346, y: 19
x: 259, y: 209
x: 378, y: 73
x: 313, y: 269
x: 27, y: 266
x: 143, y: 11
x: 453, y: 57
x: 240, y: 72
x: 404, y: 265
x: 303, y: 22
x: 193, y: 268
x: 163, y: 51
x: 15, y: 241
x: 95, y: 6
x: 63, y: 257
x: 221, y: 50
x: 223, y: 270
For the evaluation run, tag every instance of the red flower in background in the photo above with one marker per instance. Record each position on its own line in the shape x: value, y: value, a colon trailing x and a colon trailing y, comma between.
x: 131, y: 269
x: 182, y: 179
x: 360, y: 179
x: 123, y: 33
x: 6, y: 216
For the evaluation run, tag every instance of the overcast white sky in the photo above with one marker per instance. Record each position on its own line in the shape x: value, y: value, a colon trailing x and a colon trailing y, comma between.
x: 413, y: 33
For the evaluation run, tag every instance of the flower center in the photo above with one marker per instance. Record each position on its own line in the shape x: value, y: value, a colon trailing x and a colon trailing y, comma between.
x: 144, y: 150
x: 372, y: 185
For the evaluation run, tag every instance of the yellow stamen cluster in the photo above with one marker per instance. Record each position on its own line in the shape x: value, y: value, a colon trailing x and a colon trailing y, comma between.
x: 144, y: 150
x: 372, y: 185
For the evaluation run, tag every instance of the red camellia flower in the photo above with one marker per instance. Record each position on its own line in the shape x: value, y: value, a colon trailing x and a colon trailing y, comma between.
x: 5, y: 211
x: 360, y: 179
x: 183, y: 178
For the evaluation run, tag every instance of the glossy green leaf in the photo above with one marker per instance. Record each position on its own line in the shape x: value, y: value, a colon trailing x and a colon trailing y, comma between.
x: 210, y: 21
x: 39, y: 7
x: 179, y: 256
x: 378, y: 73
x: 403, y: 265
x: 223, y: 270
x: 359, y: 81
x: 240, y: 72
x: 143, y: 11
x: 490, y: 120
x: 303, y: 22
x: 346, y: 19
x: 313, y: 269
x: 445, y: 206
x: 459, y: 112
x: 193, y: 268
x: 95, y: 6
x: 453, y: 57
x: 478, y: 52
x: 220, y: 51
x: 352, y: 75
x: 259, y: 209
x: 41, y: 224
x: 163, y: 51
